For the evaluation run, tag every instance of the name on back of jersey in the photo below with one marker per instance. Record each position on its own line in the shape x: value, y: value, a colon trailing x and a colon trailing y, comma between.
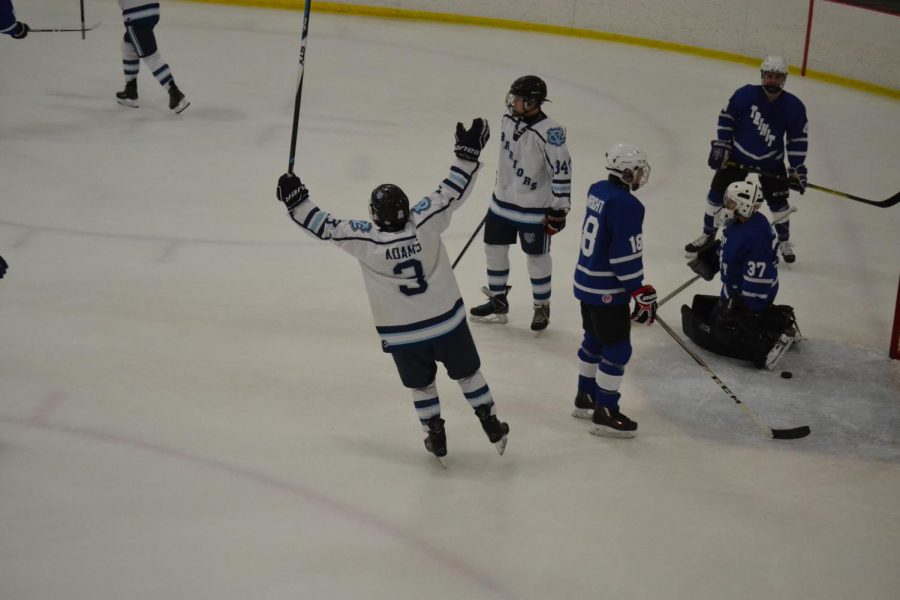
x: 594, y: 203
x: 399, y: 252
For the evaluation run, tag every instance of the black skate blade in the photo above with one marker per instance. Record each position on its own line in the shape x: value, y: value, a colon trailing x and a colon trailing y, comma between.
x: 791, y: 434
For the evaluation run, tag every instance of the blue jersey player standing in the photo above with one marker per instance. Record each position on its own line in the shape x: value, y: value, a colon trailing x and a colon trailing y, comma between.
x: 609, y: 274
x: 752, y: 131
x: 413, y: 295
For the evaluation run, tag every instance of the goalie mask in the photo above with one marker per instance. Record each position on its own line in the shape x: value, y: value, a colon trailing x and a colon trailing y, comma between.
x: 742, y: 198
x: 531, y: 89
x: 629, y: 164
x: 389, y: 207
x: 773, y: 73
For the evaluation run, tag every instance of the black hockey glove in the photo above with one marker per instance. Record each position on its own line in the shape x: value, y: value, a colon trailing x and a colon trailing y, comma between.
x: 21, y: 30
x: 291, y: 191
x: 3, y: 267
x: 555, y: 221
x: 718, y: 154
x: 706, y: 263
x: 469, y: 143
x: 644, y: 305
x: 797, y: 178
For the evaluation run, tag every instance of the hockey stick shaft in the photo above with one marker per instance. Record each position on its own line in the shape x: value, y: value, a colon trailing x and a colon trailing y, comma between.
x: 469, y: 243
x: 882, y: 203
x: 83, y: 30
x: 296, y: 122
x: 778, y: 434
x: 63, y: 29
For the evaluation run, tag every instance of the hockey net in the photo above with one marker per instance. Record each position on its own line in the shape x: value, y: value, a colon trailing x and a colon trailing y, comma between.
x: 895, y: 331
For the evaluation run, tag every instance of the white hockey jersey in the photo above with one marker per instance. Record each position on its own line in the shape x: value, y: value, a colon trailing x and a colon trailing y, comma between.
x: 534, y: 172
x: 409, y: 281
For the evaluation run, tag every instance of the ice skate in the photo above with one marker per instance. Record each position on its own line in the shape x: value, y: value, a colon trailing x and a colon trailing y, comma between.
x: 496, y: 430
x: 584, y: 406
x: 495, y: 310
x: 787, y: 251
x: 541, y: 317
x: 128, y: 96
x: 609, y: 423
x: 177, y: 101
x: 699, y: 245
x: 436, y: 442
x: 781, y: 346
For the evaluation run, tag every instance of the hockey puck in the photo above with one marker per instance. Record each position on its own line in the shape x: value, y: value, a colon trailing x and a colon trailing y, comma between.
x: 786, y: 374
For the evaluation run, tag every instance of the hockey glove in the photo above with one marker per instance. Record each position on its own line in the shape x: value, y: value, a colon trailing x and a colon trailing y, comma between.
x: 797, y: 178
x: 555, y: 221
x: 291, y: 191
x: 3, y: 267
x: 469, y: 143
x: 21, y: 30
x: 644, y: 305
x: 718, y: 154
x: 706, y: 263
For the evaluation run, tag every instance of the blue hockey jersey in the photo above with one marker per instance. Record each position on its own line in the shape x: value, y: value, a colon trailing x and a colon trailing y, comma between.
x: 757, y: 128
x: 610, y: 263
x: 748, y: 262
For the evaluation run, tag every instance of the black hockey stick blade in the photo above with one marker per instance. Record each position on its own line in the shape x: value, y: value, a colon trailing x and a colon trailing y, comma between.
x: 791, y: 434
x: 59, y: 29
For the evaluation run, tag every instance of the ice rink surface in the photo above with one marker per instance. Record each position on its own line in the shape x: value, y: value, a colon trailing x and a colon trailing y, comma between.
x: 193, y: 400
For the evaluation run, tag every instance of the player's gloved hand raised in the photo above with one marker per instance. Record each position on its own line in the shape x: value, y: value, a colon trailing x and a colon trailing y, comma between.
x: 291, y: 191
x: 706, y: 263
x: 644, y: 305
x: 470, y: 142
x: 797, y: 178
x: 555, y: 221
x: 20, y: 31
x: 3, y: 267
x: 718, y: 154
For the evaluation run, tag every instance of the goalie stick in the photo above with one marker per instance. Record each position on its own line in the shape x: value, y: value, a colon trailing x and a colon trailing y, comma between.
x: 296, y: 123
x: 880, y: 203
x: 59, y: 29
x: 777, y: 434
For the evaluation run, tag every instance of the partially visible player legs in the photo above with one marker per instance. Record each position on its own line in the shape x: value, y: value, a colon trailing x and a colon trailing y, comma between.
x: 131, y: 65
x: 540, y: 270
x: 588, y: 361
x: 776, y: 193
x: 607, y: 418
x: 428, y: 409
x: 478, y: 395
x: 496, y: 309
x: 163, y: 74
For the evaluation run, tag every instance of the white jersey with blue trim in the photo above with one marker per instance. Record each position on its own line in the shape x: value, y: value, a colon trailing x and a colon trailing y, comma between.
x: 534, y: 172
x: 136, y: 10
x: 412, y: 291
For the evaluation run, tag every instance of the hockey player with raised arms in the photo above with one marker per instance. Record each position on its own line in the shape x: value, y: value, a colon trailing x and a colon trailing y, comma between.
x: 8, y: 23
x: 751, y: 132
x: 415, y: 301
x: 609, y: 274
x: 743, y: 322
x: 139, y: 43
x: 530, y: 202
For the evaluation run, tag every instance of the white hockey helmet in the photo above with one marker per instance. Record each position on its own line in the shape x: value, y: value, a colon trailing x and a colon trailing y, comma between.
x: 743, y: 198
x: 774, y: 65
x: 628, y: 163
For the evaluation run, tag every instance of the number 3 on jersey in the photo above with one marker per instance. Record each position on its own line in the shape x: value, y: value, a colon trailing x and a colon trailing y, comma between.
x: 411, y: 269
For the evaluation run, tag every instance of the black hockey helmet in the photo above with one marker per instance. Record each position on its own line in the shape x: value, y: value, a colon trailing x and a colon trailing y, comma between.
x: 389, y: 207
x: 530, y: 87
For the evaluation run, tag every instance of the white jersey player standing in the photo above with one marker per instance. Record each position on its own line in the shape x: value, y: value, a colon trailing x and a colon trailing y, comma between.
x: 139, y: 43
x: 413, y: 294
x: 530, y: 202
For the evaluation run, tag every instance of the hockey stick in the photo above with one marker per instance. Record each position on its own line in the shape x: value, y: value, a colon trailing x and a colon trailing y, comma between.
x: 882, y: 203
x: 59, y: 29
x: 777, y: 434
x: 83, y: 30
x: 466, y: 247
x: 299, y: 87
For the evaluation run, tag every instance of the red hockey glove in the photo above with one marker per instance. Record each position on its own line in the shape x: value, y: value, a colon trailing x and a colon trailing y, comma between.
x: 644, y: 305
